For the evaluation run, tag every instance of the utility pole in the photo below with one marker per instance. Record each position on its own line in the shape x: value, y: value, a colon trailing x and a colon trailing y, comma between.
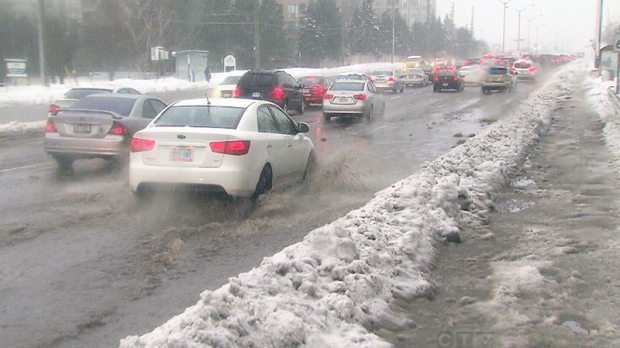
x: 472, y: 21
x: 40, y: 14
x: 599, y: 34
x: 519, y: 27
x: 257, y: 34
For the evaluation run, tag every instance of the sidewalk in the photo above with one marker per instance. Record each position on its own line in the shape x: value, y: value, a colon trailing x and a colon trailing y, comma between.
x: 544, y: 271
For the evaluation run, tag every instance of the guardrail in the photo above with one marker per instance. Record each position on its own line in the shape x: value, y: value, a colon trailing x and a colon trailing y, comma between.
x: 615, y: 100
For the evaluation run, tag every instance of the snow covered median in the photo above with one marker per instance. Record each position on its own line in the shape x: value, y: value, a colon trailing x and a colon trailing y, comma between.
x: 338, y: 284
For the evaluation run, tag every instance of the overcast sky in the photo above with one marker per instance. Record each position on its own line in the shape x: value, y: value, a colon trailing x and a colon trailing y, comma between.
x: 567, y: 24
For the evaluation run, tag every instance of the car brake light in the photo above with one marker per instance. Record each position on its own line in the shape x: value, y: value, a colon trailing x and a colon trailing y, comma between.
x: 318, y: 90
x: 328, y: 96
x: 236, y: 92
x: 139, y: 145
x: 369, y: 78
x: 456, y: 78
x: 53, y: 108
x: 236, y: 148
x: 277, y: 93
x: 118, y: 129
x: 513, y: 69
x: 391, y: 79
x: 438, y: 68
x: 50, y: 127
x: 532, y: 70
x: 359, y: 96
x: 451, y: 68
x: 436, y: 78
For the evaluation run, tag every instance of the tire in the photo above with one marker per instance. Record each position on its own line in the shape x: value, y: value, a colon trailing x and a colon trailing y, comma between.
x: 311, y: 166
x: 264, y: 183
x: 285, y: 106
x: 369, y: 116
x: 402, y: 89
x: 302, y: 107
x: 382, y: 111
x: 327, y: 117
x: 395, y: 90
x: 64, y: 162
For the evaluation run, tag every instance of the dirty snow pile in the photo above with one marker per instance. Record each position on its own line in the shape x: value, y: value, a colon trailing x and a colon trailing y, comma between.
x: 338, y: 283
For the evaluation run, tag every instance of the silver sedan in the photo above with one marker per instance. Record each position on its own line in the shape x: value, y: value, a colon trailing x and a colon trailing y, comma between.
x: 353, y: 98
x: 388, y: 80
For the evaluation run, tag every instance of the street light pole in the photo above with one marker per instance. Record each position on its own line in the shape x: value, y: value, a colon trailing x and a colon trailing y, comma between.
x: 505, y: 3
x: 519, y: 28
x: 529, y: 27
x: 392, y: 31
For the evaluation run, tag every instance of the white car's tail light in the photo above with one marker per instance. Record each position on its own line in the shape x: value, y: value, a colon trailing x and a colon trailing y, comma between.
x: 139, y: 145
x: 235, y: 148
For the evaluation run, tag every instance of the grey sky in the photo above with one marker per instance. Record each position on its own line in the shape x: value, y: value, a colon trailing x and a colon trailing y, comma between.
x: 567, y: 24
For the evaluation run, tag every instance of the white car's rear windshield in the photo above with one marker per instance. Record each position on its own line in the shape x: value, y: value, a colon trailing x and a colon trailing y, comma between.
x: 347, y: 86
x: 201, y: 116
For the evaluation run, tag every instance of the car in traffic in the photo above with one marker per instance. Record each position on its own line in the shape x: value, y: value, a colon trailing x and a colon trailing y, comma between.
x: 357, y: 98
x: 472, y: 74
x: 353, y: 76
x: 238, y: 147
x: 276, y: 86
x: 388, y: 80
x: 498, y: 78
x: 314, y: 88
x: 75, y: 93
x: 98, y: 126
x: 226, y: 88
x: 524, y: 70
x: 415, y: 77
x: 448, y: 77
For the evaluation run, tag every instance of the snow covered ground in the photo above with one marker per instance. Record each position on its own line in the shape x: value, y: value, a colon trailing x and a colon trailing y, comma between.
x: 326, y: 290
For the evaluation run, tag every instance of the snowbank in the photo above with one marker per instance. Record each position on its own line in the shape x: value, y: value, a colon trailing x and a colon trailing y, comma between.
x: 336, y: 285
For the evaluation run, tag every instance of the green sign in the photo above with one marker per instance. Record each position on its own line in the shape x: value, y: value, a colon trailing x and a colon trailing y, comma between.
x: 16, y: 67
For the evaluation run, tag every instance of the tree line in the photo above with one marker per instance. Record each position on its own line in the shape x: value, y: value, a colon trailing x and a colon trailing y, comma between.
x: 119, y: 34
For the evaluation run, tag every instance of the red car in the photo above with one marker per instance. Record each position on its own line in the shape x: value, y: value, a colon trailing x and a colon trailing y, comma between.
x: 314, y: 88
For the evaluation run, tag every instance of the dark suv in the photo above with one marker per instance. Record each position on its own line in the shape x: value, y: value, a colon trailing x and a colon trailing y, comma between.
x: 276, y: 86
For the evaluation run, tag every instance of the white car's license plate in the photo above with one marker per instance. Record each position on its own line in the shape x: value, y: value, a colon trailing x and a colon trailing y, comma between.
x: 183, y: 154
x: 81, y: 128
x: 445, y: 84
x: 343, y: 100
x: 226, y: 94
x: 255, y: 95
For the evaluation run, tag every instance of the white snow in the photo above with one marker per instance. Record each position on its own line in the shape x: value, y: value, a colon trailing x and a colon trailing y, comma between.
x: 325, y: 290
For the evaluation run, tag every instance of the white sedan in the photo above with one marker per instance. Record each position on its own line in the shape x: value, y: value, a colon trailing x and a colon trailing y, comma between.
x: 240, y: 147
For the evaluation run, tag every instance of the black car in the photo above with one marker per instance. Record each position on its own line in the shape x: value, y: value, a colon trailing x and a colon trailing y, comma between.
x: 448, y: 77
x: 276, y: 86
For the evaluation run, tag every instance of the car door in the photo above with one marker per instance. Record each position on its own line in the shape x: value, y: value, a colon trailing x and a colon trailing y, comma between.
x: 375, y: 98
x: 275, y: 143
x: 296, y: 154
x: 144, y: 114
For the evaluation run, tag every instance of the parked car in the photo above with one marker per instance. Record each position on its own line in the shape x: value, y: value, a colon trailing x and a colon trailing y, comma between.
x: 353, y: 98
x: 76, y: 93
x: 239, y: 147
x: 498, y: 78
x: 472, y: 74
x: 415, y: 77
x: 314, y: 88
x: 388, y: 80
x: 524, y: 70
x: 276, y: 86
x: 227, y: 87
x: 98, y: 126
x: 448, y: 77
x: 352, y: 76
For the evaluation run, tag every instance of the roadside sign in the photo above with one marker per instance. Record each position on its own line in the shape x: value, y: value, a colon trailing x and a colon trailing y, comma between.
x: 617, y: 40
x: 16, y: 67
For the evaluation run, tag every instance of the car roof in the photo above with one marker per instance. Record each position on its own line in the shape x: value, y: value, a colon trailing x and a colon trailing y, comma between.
x: 232, y: 102
x: 117, y: 95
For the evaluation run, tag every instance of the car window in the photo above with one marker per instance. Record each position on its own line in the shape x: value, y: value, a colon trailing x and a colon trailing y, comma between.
x: 383, y: 72
x: 522, y: 65
x: 371, y: 88
x: 257, y: 80
x: 128, y: 91
x: 266, y: 122
x: 151, y: 108
x: 208, y: 116
x: 310, y: 80
x: 285, y: 124
x: 83, y: 92
x: 498, y: 71
x: 121, y: 106
x: 231, y: 80
x: 347, y: 86
x: 289, y: 81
